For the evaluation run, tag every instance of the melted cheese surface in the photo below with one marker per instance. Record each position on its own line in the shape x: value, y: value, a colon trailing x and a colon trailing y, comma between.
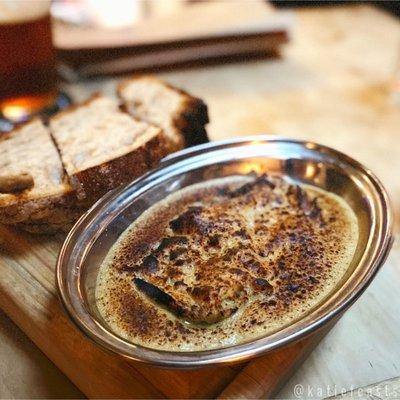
x: 224, y: 262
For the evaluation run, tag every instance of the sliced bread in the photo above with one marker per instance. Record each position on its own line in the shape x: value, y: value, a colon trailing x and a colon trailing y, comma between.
x: 102, y: 147
x: 181, y: 116
x: 62, y: 222
x: 34, y: 186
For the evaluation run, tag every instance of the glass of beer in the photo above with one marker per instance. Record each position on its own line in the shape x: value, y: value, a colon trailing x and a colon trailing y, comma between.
x: 28, y: 78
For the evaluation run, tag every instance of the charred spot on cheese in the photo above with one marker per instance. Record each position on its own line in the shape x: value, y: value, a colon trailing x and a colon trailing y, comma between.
x: 149, y: 264
x: 171, y: 241
x: 262, y: 284
x: 157, y: 295
x: 226, y: 261
x: 248, y: 187
x: 189, y: 221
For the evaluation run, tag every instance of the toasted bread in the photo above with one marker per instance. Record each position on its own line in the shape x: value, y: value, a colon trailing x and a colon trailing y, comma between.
x: 29, y: 150
x: 50, y: 175
x: 102, y: 147
x: 181, y: 116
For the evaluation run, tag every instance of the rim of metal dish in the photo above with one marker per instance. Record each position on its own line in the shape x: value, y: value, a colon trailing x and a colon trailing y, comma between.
x: 240, y: 352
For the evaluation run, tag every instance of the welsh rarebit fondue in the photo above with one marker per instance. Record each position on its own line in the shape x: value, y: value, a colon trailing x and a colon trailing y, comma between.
x: 225, y: 261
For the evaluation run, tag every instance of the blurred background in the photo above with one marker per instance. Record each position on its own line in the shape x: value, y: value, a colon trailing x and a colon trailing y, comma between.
x: 44, y: 42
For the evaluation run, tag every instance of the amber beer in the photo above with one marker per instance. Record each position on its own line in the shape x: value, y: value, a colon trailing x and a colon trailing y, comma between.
x: 27, y: 58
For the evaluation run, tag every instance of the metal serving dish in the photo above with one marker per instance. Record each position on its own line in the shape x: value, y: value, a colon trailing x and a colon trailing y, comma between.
x: 93, y: 235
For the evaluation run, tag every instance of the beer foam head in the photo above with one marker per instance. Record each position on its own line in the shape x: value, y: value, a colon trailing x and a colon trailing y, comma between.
x: 15, y: 11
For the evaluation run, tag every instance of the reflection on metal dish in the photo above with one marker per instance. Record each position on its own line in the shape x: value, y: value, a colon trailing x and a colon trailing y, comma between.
x: 93, y: 235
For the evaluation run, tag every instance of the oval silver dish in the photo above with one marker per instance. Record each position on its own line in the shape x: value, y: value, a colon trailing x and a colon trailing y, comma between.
x: 97, y: 230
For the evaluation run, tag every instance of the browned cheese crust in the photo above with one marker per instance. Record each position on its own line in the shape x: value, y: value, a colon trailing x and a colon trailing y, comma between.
x: 220, y: 264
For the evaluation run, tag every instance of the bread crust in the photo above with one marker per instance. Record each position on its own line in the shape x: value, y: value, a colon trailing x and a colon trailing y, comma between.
x: 189, y: 121
x: 45, y: 228
x: 94, y: 182
x: 57, y: 212
x: 56, y: 205
x: 56, y: 208
x: 192, y: 120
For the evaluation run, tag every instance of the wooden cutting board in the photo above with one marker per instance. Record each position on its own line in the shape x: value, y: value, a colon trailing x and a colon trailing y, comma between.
x: 28, y: 295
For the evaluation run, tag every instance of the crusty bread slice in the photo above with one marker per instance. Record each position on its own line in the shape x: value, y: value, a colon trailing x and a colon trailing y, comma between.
x: 181, y: 116
x: 62, y: 221
x: 30, y: 151
x: 44, y: 228
x: 102, y: 147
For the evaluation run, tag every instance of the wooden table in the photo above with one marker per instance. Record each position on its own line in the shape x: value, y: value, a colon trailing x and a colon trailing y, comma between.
x: 331, y: 86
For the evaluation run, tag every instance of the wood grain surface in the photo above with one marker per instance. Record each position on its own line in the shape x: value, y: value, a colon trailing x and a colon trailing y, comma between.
x: 263, y: 377
x: 332, y: 86
x: 388, y: 389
